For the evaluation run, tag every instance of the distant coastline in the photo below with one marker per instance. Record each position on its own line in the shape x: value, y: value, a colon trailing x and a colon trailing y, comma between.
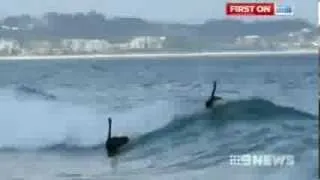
x: 162, y: 55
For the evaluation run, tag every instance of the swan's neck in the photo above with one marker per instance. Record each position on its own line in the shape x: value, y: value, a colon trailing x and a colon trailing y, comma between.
x: 109, y: 133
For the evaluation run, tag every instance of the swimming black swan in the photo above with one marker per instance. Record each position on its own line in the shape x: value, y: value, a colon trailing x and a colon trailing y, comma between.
x: 113, y: 144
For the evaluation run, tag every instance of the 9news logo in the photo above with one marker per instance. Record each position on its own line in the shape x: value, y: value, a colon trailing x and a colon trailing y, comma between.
x: 284, y: 10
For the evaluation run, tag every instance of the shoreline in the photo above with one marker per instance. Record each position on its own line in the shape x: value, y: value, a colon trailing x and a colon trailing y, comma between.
x: 162, y: 55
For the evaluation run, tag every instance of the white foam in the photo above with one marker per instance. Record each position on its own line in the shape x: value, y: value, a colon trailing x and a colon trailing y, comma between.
x: 164, y: 55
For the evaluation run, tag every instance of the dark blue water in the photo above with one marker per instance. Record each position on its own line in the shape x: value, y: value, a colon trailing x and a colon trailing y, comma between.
x: 53, y: 117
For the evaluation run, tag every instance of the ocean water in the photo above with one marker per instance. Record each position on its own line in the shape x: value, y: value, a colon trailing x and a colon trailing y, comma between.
x: 54, y: 118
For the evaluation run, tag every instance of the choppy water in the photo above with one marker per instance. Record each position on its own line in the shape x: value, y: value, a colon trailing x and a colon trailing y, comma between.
x: 53, y: 117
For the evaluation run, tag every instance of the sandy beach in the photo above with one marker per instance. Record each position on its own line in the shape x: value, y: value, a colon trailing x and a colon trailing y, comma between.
x: 161, y: 55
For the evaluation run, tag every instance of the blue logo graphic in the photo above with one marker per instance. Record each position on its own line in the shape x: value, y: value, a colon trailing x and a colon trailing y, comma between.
x: 284, y: 10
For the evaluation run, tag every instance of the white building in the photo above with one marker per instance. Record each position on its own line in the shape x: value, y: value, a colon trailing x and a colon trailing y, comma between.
x: 103, y: 46
x: 73, y: 45
x: 144, y: 42
x: 9, y: 47
x: 85, y: 45
x: 97, y: 46
x: 156, y: 42
x: 138, y: 43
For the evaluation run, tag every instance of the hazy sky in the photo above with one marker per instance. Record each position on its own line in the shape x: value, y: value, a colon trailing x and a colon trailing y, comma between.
x: 165, y: 10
